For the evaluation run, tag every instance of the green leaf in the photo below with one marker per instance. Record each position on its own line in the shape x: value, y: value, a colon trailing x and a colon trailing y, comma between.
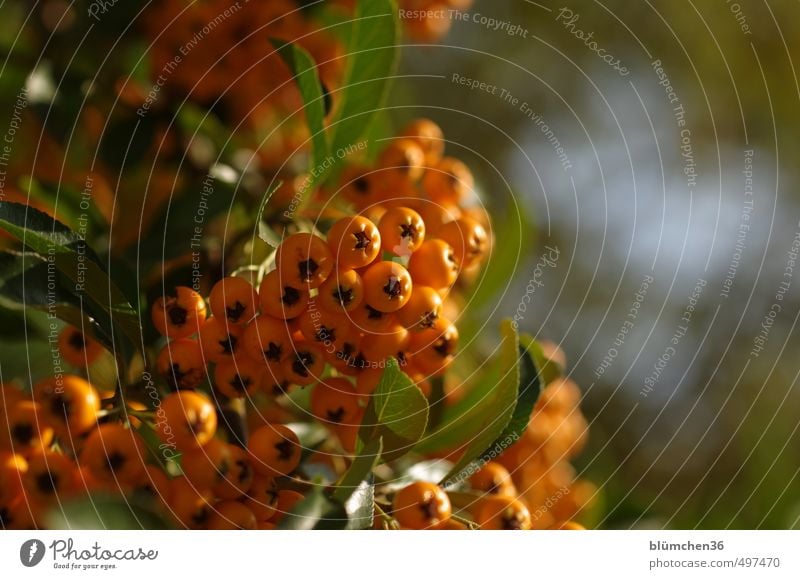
x: 530, y: 387
x: 26, y: 284
x: 397, y: 412
x: 315, y: 511
x: 549, y: 370
x: 360, y: 507
x: 372, y: 61
x: 515, y: 236
x: 265, y: 232
x: 72, y: 257
x: 103, y: 512
x: 496, y: 409
x: 305, y: 74
x: 361, y: 468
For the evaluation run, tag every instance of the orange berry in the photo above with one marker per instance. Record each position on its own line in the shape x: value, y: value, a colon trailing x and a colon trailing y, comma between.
x: 69, y: 404
x: 468, y: 239
x: 274, y: 450
x: 181, y: 364
x: 77, y: 348
x: 402, y: 231
x: 232, y: 515
x: 335, y: 402
x: 179, y: 315
x: 493, y: 479
x: 428, y: 135
x: 358, y: 186
x: 434, y: 264
x: 206, y: 466
x: 286, y: 502
x: 238, y: 478
x: 50, y: 476
x: 422, y: 310
x: 267, y: 339
x: 262, y: 498
x: 435, y: 215
x: 448, y: 182
x: 219, y: 340
x: 433, y: 349
x: 387, y: 286
x: 304, y: 260
x: 233, y: 299
x: 378, y: 347
x: 354, y: 241
x: 343, y: 291
x: 281, y: 299
x: 189, y: 420
x: 401, y: 160
x: 23, y: 428
x: 239, y: 377
x: 501, y: 512
x: 191, y: 506
x: 421, y: 505
x: 114, y: 453
x: 304, y: 364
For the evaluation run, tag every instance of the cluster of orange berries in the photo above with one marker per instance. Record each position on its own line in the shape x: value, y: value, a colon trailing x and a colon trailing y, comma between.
x: 212, y: 49
x: 530, y: 486
x: 540, y: 461
x: 56, y: 445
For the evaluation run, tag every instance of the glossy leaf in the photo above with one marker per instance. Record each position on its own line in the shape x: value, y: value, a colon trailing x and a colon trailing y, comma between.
x: 397, y: 412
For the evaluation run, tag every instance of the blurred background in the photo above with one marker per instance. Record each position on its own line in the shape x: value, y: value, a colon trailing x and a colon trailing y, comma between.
x: 674, y: 208
x: 639, y: 160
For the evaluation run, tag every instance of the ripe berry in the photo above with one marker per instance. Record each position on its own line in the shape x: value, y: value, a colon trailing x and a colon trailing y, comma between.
x: 281, y: 299
x: 422, y: 310
x: 219, y: 340
x: 304, y: 260
x: 274, y: 450
x: 153, y: 485
x: 343, y: 291
x: 191, y: 506
x: 113, y: 453
x: 325, y: 328
x: 77, y: 348
x: 12, y: 468
x: 304, y: 364
x: 335, y: 402
x: 239, y: 377
x: 433, y: 349
x: 358, y: 186
x: 232, y: 515
x: 233, y: 299
x: 205, y: 467
x: 428, y: 136
x: 286, y: 502
x: 354, y: 241
x: 387, y: 286
x: 402, y: 231
x: 50, y: 476
x: 434, y: 264
x: 435, y: 215
x: 267, y: 339
x: 189, y: 420
x: 181, y: 364
x: 367, y: 319
x: 392, y: 342
x: 493, y: 479
x: 421, y: 505
x: 468, y: 239
x: 68, y: 403
x: 23, y: 428
x: 238, y: 479
x: 448, y: 182
x: 179, y: 315
x: 262, y: 498
x: 401, y: 160
x: 501, y: 512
